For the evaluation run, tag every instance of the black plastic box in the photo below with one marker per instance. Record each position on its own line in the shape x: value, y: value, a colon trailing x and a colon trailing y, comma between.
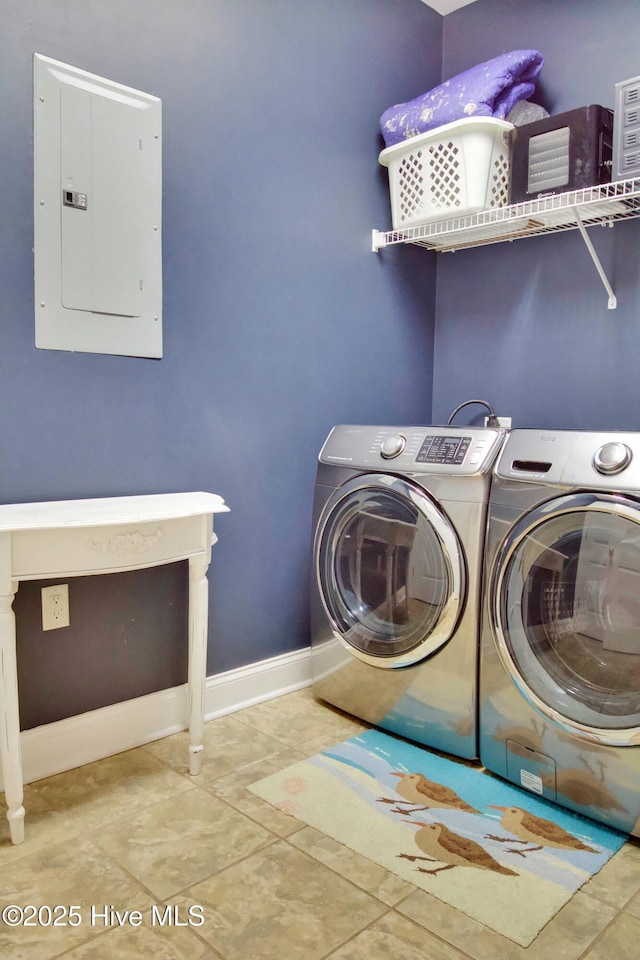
x: 567, y: 152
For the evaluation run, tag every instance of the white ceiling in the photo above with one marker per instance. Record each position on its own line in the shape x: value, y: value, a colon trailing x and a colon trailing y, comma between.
x: 446, y: 6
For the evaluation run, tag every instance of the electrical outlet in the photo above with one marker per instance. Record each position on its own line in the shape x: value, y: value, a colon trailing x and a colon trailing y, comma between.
x: 55, y: 606
x: 504, y: 422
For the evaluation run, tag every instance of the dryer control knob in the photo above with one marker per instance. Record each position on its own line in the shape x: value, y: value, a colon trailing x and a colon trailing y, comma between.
x: 612, y: 458
x: 392, y: 446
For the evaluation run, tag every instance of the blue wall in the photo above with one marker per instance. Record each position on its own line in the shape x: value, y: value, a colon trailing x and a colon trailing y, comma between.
x: 278, y: 320
x: 526, y: 323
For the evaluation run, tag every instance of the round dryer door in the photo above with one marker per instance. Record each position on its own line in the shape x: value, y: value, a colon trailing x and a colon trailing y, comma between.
x: 390, y: 570
x: 566, y: 595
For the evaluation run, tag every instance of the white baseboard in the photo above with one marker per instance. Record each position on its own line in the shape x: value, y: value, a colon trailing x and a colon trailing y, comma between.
x: 69, y: 743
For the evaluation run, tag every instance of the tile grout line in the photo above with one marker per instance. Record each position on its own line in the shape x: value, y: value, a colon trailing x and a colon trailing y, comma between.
x: 183, y: 892
x: 600, y: 936
x: 354, y: 936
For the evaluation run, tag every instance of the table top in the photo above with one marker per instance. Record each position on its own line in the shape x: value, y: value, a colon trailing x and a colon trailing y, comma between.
x: 107, y: 511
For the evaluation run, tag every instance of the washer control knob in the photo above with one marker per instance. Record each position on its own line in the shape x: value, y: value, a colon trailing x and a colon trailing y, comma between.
x: 392, y: 446
x: 612, y: 458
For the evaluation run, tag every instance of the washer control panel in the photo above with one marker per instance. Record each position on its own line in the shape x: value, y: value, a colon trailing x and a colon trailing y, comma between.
x: 429, y: 450
x: 573, y: 458
x: 612, y: 458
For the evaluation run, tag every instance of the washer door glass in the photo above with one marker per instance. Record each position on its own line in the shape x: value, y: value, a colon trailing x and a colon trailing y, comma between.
x: 568, y: 609
x: 390, y: 570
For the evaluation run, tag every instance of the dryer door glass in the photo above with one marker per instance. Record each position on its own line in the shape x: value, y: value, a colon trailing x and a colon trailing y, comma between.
x: 389, y: 570
x: 569, y: 609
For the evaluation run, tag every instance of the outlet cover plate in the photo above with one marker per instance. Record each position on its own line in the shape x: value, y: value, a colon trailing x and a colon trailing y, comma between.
x: 55, y: 606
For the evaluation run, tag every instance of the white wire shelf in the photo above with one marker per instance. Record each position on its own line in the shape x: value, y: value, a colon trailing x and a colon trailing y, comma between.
x: 603, y: 204
x: 575, y: 210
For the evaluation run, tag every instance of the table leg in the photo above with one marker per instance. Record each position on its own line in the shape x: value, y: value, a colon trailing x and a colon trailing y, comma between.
x: 198, y: 620
x: 10, y: 756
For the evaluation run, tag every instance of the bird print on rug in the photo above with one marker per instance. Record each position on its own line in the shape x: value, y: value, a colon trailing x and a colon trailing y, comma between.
x: 423, y: 794
x: 536, y: 830
x: 443, y: 845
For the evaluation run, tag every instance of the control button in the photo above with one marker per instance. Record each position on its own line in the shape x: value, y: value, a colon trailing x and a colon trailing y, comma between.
x: 475, y: 459
x: 480, y: 444
x: 392, y: 446
x: 612, y: 458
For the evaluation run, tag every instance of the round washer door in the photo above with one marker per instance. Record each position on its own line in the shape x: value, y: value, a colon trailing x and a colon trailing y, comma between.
x: 566, y: 610
x: 390, y: 570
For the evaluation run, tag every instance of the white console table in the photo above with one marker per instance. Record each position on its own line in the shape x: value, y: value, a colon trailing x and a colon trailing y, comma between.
x: 69, y: 538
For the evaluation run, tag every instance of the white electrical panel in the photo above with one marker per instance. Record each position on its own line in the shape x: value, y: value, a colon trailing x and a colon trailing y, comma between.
x: 97, y: 214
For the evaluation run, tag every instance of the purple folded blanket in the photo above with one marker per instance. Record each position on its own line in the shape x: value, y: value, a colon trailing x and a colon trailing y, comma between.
x: 489, y: 89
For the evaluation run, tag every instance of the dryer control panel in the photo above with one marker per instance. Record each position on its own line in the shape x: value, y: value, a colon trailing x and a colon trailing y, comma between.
x: 430, y: 450
x: 451, y: 450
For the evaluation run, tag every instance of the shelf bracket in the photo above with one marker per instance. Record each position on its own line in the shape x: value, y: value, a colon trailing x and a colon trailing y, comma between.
x: 378, y: 240
x: 612, y: 302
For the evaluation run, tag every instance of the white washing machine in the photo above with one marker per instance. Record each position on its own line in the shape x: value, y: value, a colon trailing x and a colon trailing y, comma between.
x: 399, y: 521
x: 560, y: 646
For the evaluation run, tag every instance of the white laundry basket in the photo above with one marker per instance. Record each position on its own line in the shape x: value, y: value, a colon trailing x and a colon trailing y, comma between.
x: 451, y: 171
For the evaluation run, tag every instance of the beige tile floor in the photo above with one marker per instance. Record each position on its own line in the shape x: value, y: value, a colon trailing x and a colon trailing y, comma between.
x: 136, y: 833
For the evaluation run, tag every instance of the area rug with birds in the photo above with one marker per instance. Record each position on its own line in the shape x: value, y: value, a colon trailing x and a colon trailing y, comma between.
x: 487, y: 848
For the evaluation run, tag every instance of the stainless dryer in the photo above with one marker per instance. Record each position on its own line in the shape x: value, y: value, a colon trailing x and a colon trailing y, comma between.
x: 560, y: 647
x: 399, y: 520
